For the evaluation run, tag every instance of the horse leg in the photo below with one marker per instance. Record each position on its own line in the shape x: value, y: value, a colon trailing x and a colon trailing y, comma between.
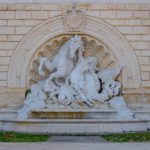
x: 47, y: 63
x: 56, y: 74
x: 82, y: 96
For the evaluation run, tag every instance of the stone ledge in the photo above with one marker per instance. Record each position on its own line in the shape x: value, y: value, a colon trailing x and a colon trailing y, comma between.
x: 74, y: 120
x: 66, y: 1
x: 74, y: 110
x: 72, y: 126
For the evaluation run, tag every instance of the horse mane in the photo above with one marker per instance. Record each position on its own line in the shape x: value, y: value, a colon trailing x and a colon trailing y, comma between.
x: 65, y: 45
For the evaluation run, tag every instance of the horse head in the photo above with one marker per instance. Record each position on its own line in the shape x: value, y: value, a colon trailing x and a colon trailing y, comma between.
x: 75, y: 44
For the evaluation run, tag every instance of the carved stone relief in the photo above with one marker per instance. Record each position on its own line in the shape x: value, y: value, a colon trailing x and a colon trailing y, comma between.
x: 73, y: 81
x: 74, y: 19
x: 93, y: 47
x: 49, y: 29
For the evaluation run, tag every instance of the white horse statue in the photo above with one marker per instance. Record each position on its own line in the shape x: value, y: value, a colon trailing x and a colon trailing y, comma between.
x: 62, y: 63
x: 83, y: 77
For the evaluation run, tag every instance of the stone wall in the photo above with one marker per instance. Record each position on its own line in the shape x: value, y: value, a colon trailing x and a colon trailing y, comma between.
x: 131, y: 20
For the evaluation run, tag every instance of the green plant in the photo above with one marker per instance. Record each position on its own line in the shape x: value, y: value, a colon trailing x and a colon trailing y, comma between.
x: 128, y: 137
x: 28, y: 91
x: 21, y: 137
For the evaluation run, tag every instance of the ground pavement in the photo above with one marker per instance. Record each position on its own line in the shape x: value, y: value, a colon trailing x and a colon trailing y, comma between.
x: 61, y: 142
x: 74, y: 146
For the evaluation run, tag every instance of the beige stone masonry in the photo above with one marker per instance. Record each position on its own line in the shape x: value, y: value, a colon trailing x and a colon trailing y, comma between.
x: 40, y: 15
x: 3, y: 38
x: 24, y: 7
x: 146, y: 53
x: 141, y: 30
x: 3, y: 22
x: 23, y: 14
x: 129, y: 7
x: 10, y: 52
x: 51, y: 7
x: 137, y: 7
x: 3, y: 68
x: 4, y: 30
x: 3, y: 83
x: 140, y: 45
x: 52, y: 27
x: 145, y: 75
x: 15, y: 7
x: 4, y: 60
x: 7, y: 15
x: 146, y: 84
x: 138, y: 52
x: 93, y: 13
x: 3, y: 53
x: 32, y: 22
x: 141, y: 14
x: 3, y: 6
x: 125, y: 29
x: 145, y: 68
x: 3, y: 76
x: 131, y: 21
x: 124, y: 14
x: 146, y: 37
x: 145, y: 22
x: 90, y: 6
x: 22, y: 30
x: 14, y: 38
x: 54, y: 13
x: 115, y: 22
x: 137, y: 38
x: 8, y: 45
x: 15, y: 22
x: 108, y: 14
x: 144, y: 60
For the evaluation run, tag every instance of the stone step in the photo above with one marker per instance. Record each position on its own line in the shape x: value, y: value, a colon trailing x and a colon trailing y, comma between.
x: 8, y: 113
x: 74, y: 126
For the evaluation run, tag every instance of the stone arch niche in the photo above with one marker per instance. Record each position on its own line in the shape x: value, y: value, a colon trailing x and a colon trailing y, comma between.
x: 100, y: 39
x: 93, y: 47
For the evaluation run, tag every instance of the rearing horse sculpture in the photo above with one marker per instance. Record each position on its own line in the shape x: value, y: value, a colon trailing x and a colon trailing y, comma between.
x: 62, y: 62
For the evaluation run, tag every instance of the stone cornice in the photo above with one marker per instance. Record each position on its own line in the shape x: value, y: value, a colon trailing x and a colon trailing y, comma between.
x: 80, y: 1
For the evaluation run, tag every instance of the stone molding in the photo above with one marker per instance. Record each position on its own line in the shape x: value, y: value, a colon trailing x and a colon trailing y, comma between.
x: 17, y: 78
x: 66, y: 1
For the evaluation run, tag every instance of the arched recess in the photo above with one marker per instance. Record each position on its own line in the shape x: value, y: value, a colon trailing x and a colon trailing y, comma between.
x: 54, y: 27
x: 93, y: 47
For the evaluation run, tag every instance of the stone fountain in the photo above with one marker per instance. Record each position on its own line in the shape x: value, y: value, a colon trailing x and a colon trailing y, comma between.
x: 74, y: 87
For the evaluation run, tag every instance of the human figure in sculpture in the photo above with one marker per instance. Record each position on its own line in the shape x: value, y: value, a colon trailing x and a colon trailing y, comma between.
x: 79, y: 79
x: 34, y: 100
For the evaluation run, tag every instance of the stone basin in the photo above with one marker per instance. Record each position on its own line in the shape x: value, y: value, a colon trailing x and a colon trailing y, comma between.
x: 72, y: 114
